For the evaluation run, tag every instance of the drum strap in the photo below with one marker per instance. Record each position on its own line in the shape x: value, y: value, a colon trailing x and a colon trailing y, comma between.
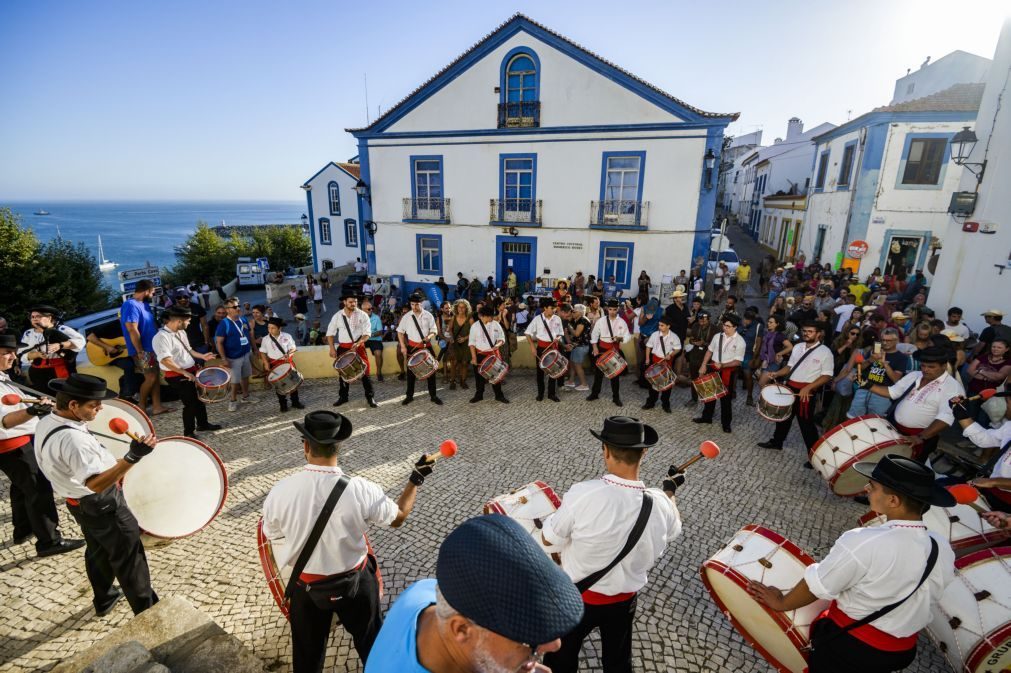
x: 633, y: 538
x: 484, y: 328
x: 421, y: 335
x: 551, y: 337
x: 280, y: 349
x: 610, y: 329
x: 890, y: 414
x: 351, y: 334
x: 881, y: 612
x: 992, y: 463
x: 316, y: 533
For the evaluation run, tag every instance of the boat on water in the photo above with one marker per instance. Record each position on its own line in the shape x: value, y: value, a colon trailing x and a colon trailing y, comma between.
x: 41, y: 212
x: 103, y: 263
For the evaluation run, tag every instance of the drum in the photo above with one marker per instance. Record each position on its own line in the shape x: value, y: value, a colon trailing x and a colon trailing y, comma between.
x: 864, y: 438
x: 177, y: 489
x: 972, y: 622
x: 660, y: 376
x: 775, y: 402
x: 493, y: 369
x: 423, y: 364
x: 709, y: 387
x: 611, y: 364
x: 554, y: 364
x: 529, y: 506
x: 137, y: 422
x: 350, y: 366
x: 284, y: 378
x: 757, y: 553
x: 961, y: 525
x: 212, y: 384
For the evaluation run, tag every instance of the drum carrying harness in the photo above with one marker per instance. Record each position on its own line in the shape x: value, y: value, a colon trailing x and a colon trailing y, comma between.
x: 633, y: 538
x: 315, y: 534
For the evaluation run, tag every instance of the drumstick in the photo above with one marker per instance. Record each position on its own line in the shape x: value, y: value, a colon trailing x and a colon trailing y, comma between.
x: 965, y: 494
x: 446, y: 450
x: 708, y: 449
x: 859, y: 359
x: 17, y: 399
x: 120, y: 427
x: 983, y: 395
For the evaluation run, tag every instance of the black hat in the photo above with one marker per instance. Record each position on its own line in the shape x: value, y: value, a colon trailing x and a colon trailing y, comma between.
x: 44, y: 308
x: 10, y: 341
x: 416, y: 297
x: 623, y: 432
x: 612, y: 303
x: 348, y: 294
x: 933, y: 354
x: 276, y: 320
x: 547, y: 302
x: 702, y: 314
x: 492, y: 572
x: 178, y: 312
x: 908, y: 477
x: 82, y: 386
x: 324, y: 427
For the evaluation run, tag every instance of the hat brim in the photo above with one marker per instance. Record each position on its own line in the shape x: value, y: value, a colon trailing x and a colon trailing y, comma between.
x: 17, y: 344
x: 59, y: 385
x: 344, y: 433
x: 938, y: 496
x: 650, y: 438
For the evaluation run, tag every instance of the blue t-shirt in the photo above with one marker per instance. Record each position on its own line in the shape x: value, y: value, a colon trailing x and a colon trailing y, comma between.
x: 396, y: 646
x: 234, y: 335
x: 377, y: 328
x: 652, y: 324
x: 748, y: 333
x: 140, y: 313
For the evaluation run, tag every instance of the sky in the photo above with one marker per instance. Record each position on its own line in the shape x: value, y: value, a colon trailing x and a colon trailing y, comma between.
x: 244, y: 100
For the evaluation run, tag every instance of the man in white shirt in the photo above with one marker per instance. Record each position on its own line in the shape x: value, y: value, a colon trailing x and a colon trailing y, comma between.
x: 607, y: 335
x: 278, y: 348
x: 177, y: 362
x: 955, y: 324
x: 415, y: 332
x: 348, y: 330
x: 51, y: 348
x: 317, y: 299
x: 662, y: 346
x: 33, y: 510
x: 996, y: 484
x: 811, y: 366
x: 922, y: 412
x: 593, y: 524
x: 544, y: 333
x: 725, y: 354
x: 844, y: 310
x: 870, y: 569
x: 486, y: 338
x: 340, y: 573
x: 83, y: 471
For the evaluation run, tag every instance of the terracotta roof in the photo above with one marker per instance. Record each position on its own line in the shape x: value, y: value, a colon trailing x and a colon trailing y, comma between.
x: 958, y: 98
x: 353, y: 169
x: 518, y: 16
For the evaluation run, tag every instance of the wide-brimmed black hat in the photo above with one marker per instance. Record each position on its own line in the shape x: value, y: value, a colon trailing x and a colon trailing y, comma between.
x: 624, y: 432
x: 324, y: 427
x: 178, y: 312
x: 11, y: 341
x: 348, y: 294
x: 933, y: 354
x: 492, y: 572
x: 907, y: 477
x: 416, y: 297
x: 612, y: 303
x: 276, y: 320
x: 82, y: 386
x: 44, y: 308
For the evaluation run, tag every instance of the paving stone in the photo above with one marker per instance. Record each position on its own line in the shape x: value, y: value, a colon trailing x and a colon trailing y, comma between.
x: 123, y: 658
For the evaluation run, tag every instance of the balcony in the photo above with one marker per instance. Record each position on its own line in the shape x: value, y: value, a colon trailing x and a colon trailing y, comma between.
x: 620, y: 215
x: 524, y: 114
x: 427, y: 210
x: 519, y: 212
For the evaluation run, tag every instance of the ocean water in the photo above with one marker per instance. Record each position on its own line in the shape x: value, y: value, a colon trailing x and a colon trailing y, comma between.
x: 137, y: 232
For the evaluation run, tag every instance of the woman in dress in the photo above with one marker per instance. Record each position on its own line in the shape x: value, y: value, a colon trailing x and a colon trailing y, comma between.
x: 442, y: 324
x: 459, y: 336
x: 644, y: 286
x: 775, y: 349
x: 578, y: 329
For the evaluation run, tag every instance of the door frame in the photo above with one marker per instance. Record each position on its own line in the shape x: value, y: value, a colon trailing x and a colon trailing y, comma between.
x: 500, y: 256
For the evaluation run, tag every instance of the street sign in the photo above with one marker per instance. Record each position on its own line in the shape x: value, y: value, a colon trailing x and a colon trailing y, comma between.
x: 857, y: 249
x: 137, y: 274
x: 130, y: 286
x: 158, y: 291
x: 264, y: 264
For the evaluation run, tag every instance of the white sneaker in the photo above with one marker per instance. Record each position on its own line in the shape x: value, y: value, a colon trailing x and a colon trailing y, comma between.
x: 246, y: 400
x: 570, y: 384
x: 582, y: 389
x: 233, y: 405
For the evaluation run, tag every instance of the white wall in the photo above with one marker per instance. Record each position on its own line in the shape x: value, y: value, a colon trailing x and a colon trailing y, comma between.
x: 336, y: 252
x: 958, y: 67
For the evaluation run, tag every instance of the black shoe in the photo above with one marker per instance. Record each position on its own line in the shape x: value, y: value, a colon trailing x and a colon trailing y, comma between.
x: 61, y: 547
x: 475, y: 399
x: 21, y: 538
x: 371, y: 401
x: 617, y: 402
x: 666, y: 408
x: 502, y: 399
x: 770, y: 445
x: 379, y: 378
x: 340, y: 401
x: 726, y: 429
x: 702, y: 420
x: 297, y: 405
x: 540, y: 398
x: 808, y: 465
x: 436, y: 400
x: 193, y: 435
x: 211, y: 427
x: 862, y: 499
x: 592, y: 396
x: 107, y: 608
x: 649, y: 406
x: 401, y: 376
x: 554, y: 398
x: 407, y: 400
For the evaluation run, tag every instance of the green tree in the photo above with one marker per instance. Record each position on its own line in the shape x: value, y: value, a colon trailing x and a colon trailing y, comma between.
x: 204, y: 256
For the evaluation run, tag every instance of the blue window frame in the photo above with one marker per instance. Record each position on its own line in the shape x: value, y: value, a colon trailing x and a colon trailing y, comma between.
x: 924, y: 161
x: 521, y: 79
x: 324, y: 230
x: 846, y: 165
x: 517, y: 187
x: 520, y: 89
x: 819, y: 183
x: 333, y: 192
x: 350, y: 233
x: 429, y: 252
x: 428, y: 202
x: 616, y: 260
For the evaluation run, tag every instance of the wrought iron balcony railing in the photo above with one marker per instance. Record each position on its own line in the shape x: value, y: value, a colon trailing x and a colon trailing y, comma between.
x: 619, y: 213
x: 515, y: 211
x: 523, y: 114
x: 427, y: 209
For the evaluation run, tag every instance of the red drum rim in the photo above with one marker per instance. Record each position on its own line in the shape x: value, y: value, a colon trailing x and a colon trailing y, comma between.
x: 848, y: 465
x: 848, y: 422
x: 737, y: 578
x: 206, y: 386
x: 346, y: 357
x: 272, y: 378
x: 988, y: 641
x: 270, y: 569
x: 493, y: 507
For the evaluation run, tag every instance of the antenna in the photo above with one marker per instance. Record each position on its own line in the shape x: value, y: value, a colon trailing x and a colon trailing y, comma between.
x: 849, y: 113
x: 367, y: 120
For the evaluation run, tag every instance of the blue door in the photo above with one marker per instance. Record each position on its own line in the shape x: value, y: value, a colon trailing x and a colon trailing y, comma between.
x: 519, y: 256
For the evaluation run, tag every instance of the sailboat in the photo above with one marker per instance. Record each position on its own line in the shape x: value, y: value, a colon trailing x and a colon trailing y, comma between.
x: 103, y: 263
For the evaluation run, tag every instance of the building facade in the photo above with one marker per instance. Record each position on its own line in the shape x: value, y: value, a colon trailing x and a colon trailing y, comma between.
x: 731, y: 184
x: 782, y: 227
x: 334, y: 209
x: 529, y: 152
x: 882, y: 184
x: 958, y: 67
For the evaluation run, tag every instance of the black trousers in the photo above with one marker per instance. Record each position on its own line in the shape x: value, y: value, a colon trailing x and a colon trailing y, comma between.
x: 310, y: 625
x: 615, y: 624
x: 480, y: 383
x: 726, y: 403
x: 805, y: 421
x: 114, y: 550
x: 32, y: 507
x: 664, y: 397
x: 598, y: 380
x: 836, y: 652
x: 366, y: 381
x: 552, y: 383
x: 282, y: 400
x: 411, y: 379
x: 194, y: 409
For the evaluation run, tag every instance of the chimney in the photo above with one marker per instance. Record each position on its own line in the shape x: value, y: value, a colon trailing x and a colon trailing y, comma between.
x: 794, y: 127
x: 925, y: 63
x: 777, y: 141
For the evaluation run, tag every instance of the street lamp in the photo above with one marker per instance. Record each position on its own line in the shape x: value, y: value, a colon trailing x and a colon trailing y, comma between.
x: 962, y: 145
x: 362, y: 190
x: 709, y: 160
x: 371, y: 227
x: 305, y: 220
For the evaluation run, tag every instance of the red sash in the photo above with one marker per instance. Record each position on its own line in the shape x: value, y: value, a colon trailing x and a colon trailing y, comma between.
x: 543, y: 344
x: 998, y: 494
x: 805, y: 405
x: 908, y: 432
x: 362, y: 353
x: 8, y: 445
x: 593, y: 598
x: 174, y: 375
x: 310, y: 577
x: 656, y: 358
x: 59, y: 364
x: 607, y: 345
x: 868, y: 634
x: 725, y: 375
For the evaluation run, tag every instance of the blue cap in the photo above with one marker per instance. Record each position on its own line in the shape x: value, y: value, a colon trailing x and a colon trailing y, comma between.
x: 491, y: 571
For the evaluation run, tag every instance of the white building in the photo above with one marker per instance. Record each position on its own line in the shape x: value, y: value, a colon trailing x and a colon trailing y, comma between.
x: 882, y: 183
x: 958, y: 67
x: 977, y: 248
x: 532, y: 152
x: 335, y: 222
x: 731, y: 184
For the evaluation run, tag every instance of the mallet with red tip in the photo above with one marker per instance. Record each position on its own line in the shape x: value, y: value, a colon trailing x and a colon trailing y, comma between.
x: 121, y: 427
x: 707, y: 449
x: 447, y: 449
x: 13, y: 399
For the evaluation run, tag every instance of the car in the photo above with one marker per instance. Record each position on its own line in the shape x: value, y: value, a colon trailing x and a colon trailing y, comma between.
x: 353, y: 283
x: 728, y: 256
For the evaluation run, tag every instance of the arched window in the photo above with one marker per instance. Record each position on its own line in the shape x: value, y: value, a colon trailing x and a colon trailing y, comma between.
x: 521, y: 79
x: 519, y: 103
x: 334, y: 193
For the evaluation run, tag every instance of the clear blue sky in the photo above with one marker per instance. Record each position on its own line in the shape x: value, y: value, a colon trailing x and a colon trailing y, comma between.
x: 228, y: 99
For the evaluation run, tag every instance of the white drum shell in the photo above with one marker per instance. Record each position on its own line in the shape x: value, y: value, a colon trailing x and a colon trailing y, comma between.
x: 528, y: 505
x: 136, y: 420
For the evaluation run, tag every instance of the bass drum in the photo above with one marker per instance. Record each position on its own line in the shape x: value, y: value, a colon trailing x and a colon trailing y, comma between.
x: 137, y: 422
x: 528, y: 505
x: 864, y: 438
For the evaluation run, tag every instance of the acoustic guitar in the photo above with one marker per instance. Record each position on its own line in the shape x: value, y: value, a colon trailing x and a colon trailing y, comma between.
x: 97, y: 355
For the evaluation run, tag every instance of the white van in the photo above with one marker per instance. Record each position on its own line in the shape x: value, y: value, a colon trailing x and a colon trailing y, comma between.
x: 250, y: 273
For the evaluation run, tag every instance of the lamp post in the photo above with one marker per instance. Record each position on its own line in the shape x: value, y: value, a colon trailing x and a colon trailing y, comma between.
x: 362, y: 190
x: 305, y: 220
x: 710, y: 161
x: 962, y: 145
x: 371, y: 227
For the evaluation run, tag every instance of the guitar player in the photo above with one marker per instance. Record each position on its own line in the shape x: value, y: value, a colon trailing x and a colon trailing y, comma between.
x: 107, y: 346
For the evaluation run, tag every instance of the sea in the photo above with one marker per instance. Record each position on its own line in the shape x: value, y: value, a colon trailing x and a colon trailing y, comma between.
x: 137, y: 233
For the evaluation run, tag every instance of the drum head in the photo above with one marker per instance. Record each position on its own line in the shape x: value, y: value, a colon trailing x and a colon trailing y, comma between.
x: 781, y: 396
x: 279, y: 372
x: 177, y: 489
x: 345, y: 359
x: 418, y: 358
x: 848, y: 482
x: 213, y: 377
x: 136, y: 420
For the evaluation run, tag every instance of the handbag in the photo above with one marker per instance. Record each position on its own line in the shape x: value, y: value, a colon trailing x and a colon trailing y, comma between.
x: 633, y: 538
x: 321, y: 591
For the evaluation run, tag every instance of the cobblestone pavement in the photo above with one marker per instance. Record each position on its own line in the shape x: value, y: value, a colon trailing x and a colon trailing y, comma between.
x: 45, y: 604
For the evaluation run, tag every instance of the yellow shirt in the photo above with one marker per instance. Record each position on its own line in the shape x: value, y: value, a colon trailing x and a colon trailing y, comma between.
x: 743, y: 273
